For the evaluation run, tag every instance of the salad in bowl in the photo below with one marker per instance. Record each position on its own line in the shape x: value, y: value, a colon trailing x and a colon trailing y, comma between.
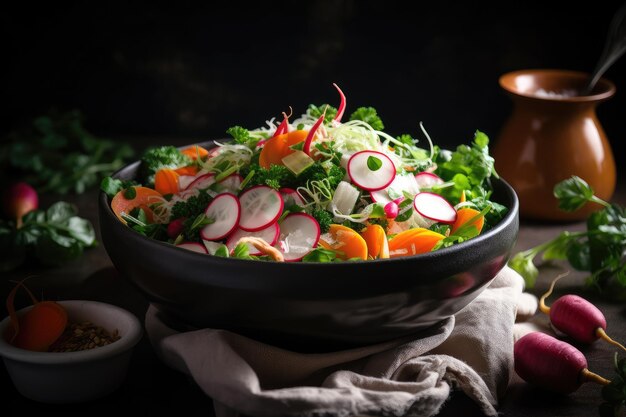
x: 322, y: 187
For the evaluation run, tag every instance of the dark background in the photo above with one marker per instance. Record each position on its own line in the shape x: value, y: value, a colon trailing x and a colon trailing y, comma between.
x: 193, y: 71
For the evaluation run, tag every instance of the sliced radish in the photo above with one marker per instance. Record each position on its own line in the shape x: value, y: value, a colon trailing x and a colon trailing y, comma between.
x: 185, y: 180
x: 225, y: 212
x: 299, y: 234
x: 260, y: 207
x: 211, y: 246
x: 427, y: 179
x: 367, y: 178
x: 230, y: 184
x: 395, y: 190
x: 269, y: 234
x: 202, y: 182
x: 192, y: 246
x: 291, y: 197
x: 434, y: 207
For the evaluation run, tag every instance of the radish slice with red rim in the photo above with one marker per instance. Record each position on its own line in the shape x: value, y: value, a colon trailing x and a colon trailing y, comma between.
x: 192, y: 246
x: 427, y: 179
x: 434, y: 207
x: 299, y: 234
x: 225, y: 212
x: 230, y: 184
x: 260, y: 206
x: 185, y: 180
x: 395, y: 190
x: 202, y: 182
x: 371, y: 170
x: 291, y: 197
x: 269, y: 234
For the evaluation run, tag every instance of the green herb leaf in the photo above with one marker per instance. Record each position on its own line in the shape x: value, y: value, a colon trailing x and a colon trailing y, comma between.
x: 222, y: 251
x: 241, y: 136
x: 573, y: 193
x: 316, y: 111
x: 373, y: 163
x: 130, y: 193
x: 241, y: 251
x: 524, y: 266
x: 320, y: 255
x: 369, y: 116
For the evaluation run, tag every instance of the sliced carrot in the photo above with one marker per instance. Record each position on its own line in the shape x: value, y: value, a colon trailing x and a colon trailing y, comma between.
x: 278, y: 147
x: 413, y: 241
x: 346, y: 242
x: 166, y: 181
x: 195, y: 152
x: 376, y: 239
x: 188, y: 170
x: 39, y: 327
x: 464, y: 215
x: 144, y: 196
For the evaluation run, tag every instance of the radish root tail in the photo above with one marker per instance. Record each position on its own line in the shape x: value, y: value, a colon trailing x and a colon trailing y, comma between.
x: 588, y: 376
x: 542, y: 301
x: 602, y: 335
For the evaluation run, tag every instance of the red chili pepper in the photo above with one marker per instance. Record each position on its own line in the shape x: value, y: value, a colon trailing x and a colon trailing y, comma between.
x: 342, y: 105
x: 309, y: 138
x: 282, y: 128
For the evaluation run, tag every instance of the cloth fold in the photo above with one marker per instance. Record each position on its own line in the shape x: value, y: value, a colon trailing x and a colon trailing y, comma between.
x: 412, y: 376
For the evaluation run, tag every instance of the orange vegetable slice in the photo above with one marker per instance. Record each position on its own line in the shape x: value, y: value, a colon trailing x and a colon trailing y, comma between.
x: 195, y: 152
x: 144, y: 196
x: 166, y: 181
x: 278, y: 147
x: 346, y: 242
x: 413, y: 241
x: 464, y: 215
x: 191, y: 170
x: 376, y: 239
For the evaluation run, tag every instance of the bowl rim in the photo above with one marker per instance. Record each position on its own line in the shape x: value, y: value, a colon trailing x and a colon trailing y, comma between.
x: 123, y: 344
x: 607, y: 86
x: 510, y: 217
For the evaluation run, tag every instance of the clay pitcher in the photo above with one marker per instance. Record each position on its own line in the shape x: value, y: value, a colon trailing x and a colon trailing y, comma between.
x: 552, y: 134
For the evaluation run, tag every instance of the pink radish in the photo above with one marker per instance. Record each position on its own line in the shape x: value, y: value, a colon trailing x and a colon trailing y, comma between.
x: 399, y: 185
x: 552, y: 364
x: 299, y: 234
x: 192, y: 246
x: 434, y: 207
x: 225, y: 212
x: 19, y: 199
x: 427, y: 179
x: 291, y: 197
x: 342, y: 104
x: 269, y: 234
x: 202, y: 182
x: 260, y: 206
x: 371, y: 170
x: 576, y: 317
x: 185, y: 180
x: 391, y: 210
x: 175, y: 228
x: 230, y: 184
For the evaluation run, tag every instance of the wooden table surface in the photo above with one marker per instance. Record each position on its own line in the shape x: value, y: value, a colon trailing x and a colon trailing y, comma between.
x: 153, y: 389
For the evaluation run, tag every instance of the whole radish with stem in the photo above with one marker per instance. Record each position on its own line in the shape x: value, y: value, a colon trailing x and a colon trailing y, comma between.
x: 19, y: 199
x: 552, y: 364
x: 576, y: 317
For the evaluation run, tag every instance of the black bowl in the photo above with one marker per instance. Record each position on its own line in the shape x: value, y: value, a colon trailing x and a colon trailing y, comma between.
x: 310, y: 306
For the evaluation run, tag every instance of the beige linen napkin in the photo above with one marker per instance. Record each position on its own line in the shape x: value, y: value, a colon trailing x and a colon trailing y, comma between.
x: 407, y: 377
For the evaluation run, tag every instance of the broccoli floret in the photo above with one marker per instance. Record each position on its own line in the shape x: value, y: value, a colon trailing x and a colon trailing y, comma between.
x: 354, y: 225
x: 382, y: 221
x: 158, y: 158
x: 317, y: 172
x: 192, y: 207
x: 276, y: 176
x: 324, y: 218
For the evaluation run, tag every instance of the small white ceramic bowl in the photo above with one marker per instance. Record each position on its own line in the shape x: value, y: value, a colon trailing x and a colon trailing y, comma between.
x: 70, y: 377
